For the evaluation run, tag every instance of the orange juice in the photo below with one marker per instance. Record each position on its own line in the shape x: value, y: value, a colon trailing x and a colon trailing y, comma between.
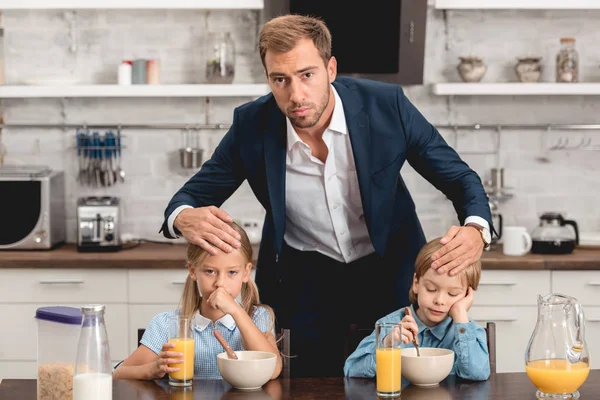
x: 557, y: 376
x: 186, y: 370
x: 388, y: 362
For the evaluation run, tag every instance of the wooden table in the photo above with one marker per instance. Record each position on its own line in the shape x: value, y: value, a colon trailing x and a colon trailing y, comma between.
x: 498, y: 387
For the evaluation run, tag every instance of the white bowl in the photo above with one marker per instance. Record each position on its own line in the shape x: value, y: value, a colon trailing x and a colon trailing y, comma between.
x: 250, y: 371
x: 432, y: 367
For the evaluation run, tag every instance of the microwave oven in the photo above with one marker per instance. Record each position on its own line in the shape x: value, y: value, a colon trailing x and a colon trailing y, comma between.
x: 32, y: 208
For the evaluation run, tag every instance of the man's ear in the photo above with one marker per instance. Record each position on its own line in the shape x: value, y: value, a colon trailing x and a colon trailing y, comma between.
x: 332, y: 69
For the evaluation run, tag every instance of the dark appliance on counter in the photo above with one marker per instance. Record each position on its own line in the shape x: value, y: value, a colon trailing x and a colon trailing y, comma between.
x: 381, y: 40
x: 32, y: 208
x: 98, y: 224
x: 553, y: 235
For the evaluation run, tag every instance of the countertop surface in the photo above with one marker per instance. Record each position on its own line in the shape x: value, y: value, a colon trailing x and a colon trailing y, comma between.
x: 171, y: 256
x: 497, y: 387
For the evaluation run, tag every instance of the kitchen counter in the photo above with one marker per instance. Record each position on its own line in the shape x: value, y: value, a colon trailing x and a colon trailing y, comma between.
x: 497, y: 387
x: 172, y: 256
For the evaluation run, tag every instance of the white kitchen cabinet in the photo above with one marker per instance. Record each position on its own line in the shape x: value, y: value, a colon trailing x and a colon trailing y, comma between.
x: 514, y: 327
x: 511, y: 288
x: 20, y: 326
x: 39, y: 285
x: 583, y: 285
x: 140, y: 315
x: 156, y: 286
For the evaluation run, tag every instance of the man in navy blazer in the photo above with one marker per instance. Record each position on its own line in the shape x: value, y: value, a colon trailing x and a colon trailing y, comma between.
x: 323, y: 156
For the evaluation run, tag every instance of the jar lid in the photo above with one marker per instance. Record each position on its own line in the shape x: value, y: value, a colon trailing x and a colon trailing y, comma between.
x: 567, y: 40
x: 60, y: 314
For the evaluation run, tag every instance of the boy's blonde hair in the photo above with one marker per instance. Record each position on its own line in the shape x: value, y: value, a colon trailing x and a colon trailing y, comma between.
x: 191, y: 298
x: 281, y: 34
x: 423, y: 262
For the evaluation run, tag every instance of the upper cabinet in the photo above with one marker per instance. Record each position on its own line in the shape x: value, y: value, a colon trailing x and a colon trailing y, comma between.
x: 130, y: 4
x: 516, y: 4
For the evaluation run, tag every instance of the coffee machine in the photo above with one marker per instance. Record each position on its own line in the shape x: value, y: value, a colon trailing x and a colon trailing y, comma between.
x: 98, y: 224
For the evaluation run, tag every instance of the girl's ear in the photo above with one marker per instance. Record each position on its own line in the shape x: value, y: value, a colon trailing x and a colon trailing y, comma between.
x: 415, y: 285
x: 191, y: 270
x: 247, y: 270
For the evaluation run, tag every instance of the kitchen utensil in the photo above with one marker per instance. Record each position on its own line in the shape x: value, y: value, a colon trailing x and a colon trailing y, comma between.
x: 516, y: 241
x: 553, y: 236
x: 190, y: 157
x: 557, y: 357
x: 228, y: 349
x: 58, y: 329
x: 416, y: 339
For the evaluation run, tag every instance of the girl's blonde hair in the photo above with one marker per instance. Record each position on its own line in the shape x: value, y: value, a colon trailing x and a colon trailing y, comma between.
x: 423, y: 262
x: 281, y: 34
x: 191, y: 298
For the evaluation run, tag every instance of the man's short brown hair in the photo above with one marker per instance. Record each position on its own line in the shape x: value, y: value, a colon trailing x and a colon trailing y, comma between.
x: 281, y: 34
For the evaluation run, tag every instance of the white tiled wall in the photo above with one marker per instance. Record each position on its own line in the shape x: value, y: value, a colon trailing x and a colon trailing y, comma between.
x: 37, y: 44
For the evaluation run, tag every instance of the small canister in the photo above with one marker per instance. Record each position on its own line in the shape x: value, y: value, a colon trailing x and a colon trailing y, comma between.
x: 58, y: 334
x: 153, y: 72
x: 139, y: 72
x: 125, y: 73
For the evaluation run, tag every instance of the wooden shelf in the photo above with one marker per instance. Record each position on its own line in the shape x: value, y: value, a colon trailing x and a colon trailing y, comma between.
x: 516, y: 89
x: 207, y: 90
x: 130, y: 4
x: 517, y: 4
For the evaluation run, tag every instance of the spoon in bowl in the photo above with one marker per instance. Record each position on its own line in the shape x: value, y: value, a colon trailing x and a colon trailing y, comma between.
x: 415, y: 340
x: 228, y: 349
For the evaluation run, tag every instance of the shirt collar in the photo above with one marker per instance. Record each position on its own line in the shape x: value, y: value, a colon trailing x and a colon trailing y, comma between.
x: 201, y: 322
x: 439, y: 331
x: 337, y: 123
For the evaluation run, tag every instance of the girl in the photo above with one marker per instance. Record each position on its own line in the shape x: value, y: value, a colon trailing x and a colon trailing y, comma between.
x: 209, y: 296
x: 440, y: 305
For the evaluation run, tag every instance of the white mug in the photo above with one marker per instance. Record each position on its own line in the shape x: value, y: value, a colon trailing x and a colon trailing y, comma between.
x: 516, y: 240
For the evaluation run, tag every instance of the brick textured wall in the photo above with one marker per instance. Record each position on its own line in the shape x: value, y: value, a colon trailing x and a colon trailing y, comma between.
x: 38, y: 45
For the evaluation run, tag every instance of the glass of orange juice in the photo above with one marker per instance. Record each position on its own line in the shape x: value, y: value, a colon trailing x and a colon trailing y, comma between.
x: 388, y: 358
x: 180, y: 334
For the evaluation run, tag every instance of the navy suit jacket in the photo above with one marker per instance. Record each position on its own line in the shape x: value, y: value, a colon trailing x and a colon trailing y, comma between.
x: 385, y: 130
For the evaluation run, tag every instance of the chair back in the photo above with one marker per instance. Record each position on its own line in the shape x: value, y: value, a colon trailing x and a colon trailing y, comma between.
x: 490, y: 333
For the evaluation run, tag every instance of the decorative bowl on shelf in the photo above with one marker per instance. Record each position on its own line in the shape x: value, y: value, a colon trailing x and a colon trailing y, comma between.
x: 471, y: 69
x: 529, y: 69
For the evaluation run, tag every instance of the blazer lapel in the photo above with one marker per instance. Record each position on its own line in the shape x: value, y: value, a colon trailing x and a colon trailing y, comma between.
x: 357, y: 121
x: 275, y: 140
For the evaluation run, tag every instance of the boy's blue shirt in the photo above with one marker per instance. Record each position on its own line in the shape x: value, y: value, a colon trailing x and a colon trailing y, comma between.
x: 467, y: 340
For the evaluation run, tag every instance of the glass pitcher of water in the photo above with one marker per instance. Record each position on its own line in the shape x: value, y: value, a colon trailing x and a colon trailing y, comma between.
x: 557, y: 358
x: 92, y: 379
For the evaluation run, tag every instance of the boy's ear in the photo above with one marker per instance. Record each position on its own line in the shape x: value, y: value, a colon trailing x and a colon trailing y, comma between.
x: 247, y: 270
x: 415, y: 285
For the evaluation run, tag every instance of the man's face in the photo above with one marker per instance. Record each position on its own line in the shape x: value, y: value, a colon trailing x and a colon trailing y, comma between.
x: 300, y: 82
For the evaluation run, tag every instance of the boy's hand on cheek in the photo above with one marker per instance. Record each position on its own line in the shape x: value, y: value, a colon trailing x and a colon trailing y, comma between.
x: 223, y: 301
x: 459, y: 311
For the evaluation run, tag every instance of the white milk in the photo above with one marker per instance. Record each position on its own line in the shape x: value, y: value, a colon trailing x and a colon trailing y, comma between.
x: 92, y: 387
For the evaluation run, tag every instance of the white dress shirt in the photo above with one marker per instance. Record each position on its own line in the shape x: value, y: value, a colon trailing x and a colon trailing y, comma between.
x: 323, y: 207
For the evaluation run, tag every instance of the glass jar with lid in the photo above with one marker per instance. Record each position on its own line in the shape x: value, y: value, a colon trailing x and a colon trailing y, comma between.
x: 220, y: 58
x: 567, y: 62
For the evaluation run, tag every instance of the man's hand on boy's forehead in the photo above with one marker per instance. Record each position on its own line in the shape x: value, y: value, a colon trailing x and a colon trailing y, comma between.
x: 462, y: 247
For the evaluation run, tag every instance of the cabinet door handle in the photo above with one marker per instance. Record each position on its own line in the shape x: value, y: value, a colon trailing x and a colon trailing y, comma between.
x: 177, y: 282
x: 61, y: 282
x: 593, y: 283
x: 501, y: 319
x: 499, y: 283
x: 593, y: 320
